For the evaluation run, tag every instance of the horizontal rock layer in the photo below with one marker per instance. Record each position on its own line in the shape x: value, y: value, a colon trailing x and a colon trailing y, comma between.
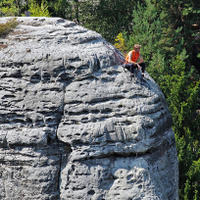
x: 72, y: 123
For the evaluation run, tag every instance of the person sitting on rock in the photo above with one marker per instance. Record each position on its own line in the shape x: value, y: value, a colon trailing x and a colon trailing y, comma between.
x: 134, y: 60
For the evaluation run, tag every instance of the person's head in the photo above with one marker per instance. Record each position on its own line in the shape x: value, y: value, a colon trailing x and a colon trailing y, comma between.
x: 137, y: 47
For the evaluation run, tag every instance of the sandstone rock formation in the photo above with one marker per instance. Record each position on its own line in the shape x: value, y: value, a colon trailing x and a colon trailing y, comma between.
x: 72, y: 123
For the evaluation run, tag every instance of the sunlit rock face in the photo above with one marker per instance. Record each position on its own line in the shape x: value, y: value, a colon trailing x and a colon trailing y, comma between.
x: 72, y: 123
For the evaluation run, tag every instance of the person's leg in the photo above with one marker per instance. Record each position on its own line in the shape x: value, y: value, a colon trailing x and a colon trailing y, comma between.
x: 132, y: 68
x: 142, y: 68
x: 127, y: 66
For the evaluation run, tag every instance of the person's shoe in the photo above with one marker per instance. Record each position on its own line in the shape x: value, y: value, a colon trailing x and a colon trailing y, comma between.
x: 143, y: 75
x: 132, y: 75
x: 143, y: 78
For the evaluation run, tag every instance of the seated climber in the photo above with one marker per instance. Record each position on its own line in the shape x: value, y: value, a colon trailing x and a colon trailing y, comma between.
x: 134, y: 60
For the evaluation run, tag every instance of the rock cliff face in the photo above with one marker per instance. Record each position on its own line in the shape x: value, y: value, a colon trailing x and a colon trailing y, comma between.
x: 72, y: 123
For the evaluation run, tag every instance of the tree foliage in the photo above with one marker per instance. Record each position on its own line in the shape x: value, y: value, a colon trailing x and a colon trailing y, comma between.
x: 120, y: 43
x: 185, y: 15
x: 107, y: 17
x: 39, y: 10
x: 8, y: 8
x: 60, y: 8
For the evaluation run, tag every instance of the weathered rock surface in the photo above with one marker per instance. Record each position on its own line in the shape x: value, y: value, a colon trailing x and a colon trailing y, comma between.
x: 73, y: 125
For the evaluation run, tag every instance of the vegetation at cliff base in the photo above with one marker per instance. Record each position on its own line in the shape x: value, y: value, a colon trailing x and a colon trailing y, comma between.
x: 169, y: 32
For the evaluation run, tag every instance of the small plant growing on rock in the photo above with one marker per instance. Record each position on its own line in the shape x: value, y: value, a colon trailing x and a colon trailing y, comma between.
x: 7, y: 27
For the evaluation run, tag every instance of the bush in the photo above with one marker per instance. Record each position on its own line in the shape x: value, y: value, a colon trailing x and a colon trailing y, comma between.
x: 120, y: 43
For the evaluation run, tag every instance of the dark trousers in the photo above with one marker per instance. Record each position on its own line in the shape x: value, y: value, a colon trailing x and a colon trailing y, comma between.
x: 131, y: 67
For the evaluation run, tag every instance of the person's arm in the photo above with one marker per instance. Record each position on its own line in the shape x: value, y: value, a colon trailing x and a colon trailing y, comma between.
x: 140, y: 60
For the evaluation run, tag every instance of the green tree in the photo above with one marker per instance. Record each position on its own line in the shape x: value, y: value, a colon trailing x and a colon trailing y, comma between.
x: 181, y: 85
x: 185, y: 15
x: 108, y: 17
x: 154, y: 34
x: 192, y: 186
x: 60, y: 8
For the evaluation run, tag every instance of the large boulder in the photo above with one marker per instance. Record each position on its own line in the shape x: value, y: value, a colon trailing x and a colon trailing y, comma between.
x: 73, y: 125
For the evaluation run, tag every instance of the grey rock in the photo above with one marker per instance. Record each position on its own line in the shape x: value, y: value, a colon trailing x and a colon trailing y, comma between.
x: 72, y: 123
